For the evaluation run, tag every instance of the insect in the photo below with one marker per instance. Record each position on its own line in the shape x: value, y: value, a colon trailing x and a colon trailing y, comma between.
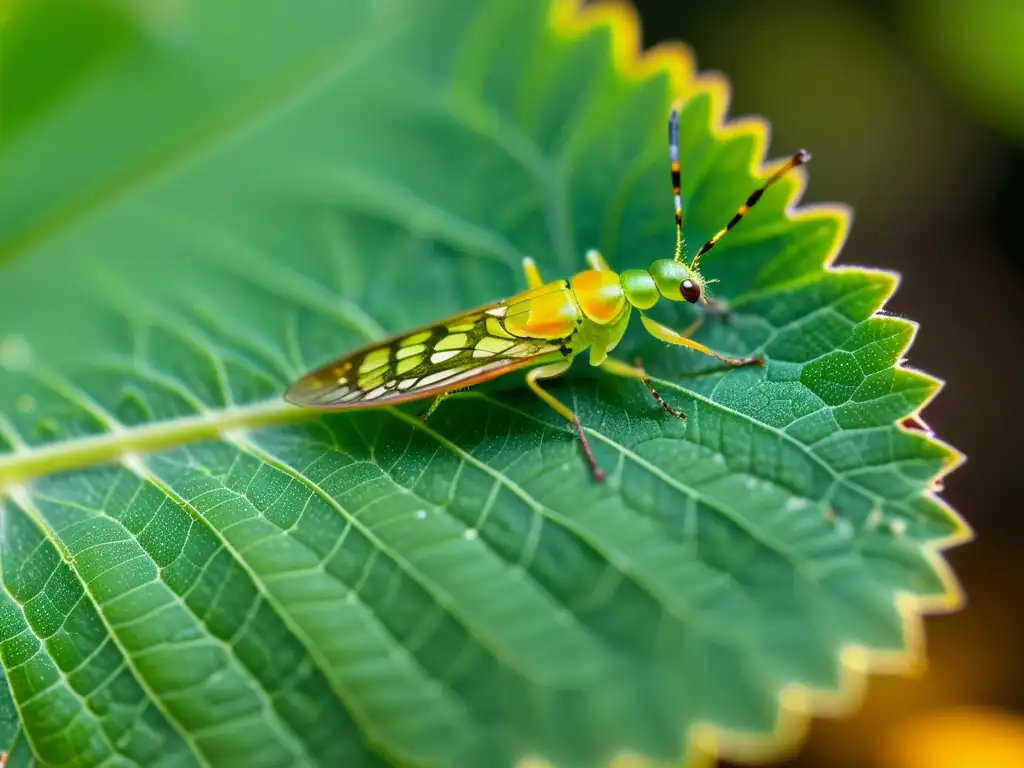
x: 543, y: 329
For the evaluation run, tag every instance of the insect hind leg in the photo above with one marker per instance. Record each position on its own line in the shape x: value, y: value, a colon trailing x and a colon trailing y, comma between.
x: 550, y: 372
x: 437, y: 401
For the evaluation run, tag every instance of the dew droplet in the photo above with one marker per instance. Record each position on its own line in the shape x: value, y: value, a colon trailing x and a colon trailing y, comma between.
x: 420, y: 514
x: 471, y: 534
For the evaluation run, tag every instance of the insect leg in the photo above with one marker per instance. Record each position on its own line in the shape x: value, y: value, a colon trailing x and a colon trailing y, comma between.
x: 433, y: 406
x: 596, y: 260
x: 533, y: 279
x: 710, y: 307
x: 549, y: 372
x: 627, y: 371
x: 664, y: 333
x: 693, y: 327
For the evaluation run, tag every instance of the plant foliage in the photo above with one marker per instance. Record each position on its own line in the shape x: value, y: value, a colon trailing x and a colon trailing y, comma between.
x: 193, y: 570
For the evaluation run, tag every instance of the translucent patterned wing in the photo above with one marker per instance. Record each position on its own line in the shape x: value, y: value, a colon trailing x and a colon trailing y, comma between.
x: 458, y: 352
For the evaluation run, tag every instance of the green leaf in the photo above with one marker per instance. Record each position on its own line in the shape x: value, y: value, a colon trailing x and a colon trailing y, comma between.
x: 8, y: 716
x: 194, y: 571
x: 49, y: 46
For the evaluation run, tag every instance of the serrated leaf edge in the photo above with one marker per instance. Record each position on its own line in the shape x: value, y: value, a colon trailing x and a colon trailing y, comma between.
x: 797, y: 703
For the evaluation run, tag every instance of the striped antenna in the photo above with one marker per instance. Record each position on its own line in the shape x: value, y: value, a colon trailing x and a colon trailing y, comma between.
x: 799, y: 158
x: 673, y: 156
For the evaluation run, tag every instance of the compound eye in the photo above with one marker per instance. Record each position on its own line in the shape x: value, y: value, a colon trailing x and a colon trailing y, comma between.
x: 690, y: 291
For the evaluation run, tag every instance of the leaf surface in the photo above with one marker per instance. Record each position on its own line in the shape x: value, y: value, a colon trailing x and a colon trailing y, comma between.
x: 193, y: 570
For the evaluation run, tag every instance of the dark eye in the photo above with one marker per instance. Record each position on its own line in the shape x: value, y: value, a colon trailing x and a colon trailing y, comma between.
x: 690, y: 291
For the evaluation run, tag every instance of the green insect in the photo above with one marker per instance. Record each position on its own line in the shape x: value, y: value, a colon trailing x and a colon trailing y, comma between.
x: 543, y: 328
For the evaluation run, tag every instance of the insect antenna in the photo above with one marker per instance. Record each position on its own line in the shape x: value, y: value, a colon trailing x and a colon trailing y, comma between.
x: 673, y: 156
x: 799, y: 158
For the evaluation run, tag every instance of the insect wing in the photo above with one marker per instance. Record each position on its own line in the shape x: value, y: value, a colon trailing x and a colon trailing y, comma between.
x: 458, y: 352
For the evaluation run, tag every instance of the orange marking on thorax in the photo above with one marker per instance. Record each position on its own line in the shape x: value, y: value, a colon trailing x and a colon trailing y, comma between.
x: 599, y: 294
x: 543, y: 314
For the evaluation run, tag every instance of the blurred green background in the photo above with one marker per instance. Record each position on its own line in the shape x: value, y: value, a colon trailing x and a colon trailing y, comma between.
x: 914, y: 110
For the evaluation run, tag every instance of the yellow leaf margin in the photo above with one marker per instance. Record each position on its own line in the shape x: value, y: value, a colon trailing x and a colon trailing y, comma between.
x: 797, y: 702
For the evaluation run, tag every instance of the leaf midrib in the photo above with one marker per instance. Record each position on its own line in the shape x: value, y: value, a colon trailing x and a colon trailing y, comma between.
x: 24, y: 463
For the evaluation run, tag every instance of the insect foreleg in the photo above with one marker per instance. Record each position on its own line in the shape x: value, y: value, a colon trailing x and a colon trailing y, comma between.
x: 549, y: 372
x: 533, y: 279
x: 692, y: 328
x: 664, y: 333
x: 711, y: 308
x: 627, y: 371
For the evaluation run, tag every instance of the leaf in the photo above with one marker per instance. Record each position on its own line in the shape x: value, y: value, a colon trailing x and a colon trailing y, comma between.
x: 194, y: 571
x: 49, y: 46
x: 8, y: 717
